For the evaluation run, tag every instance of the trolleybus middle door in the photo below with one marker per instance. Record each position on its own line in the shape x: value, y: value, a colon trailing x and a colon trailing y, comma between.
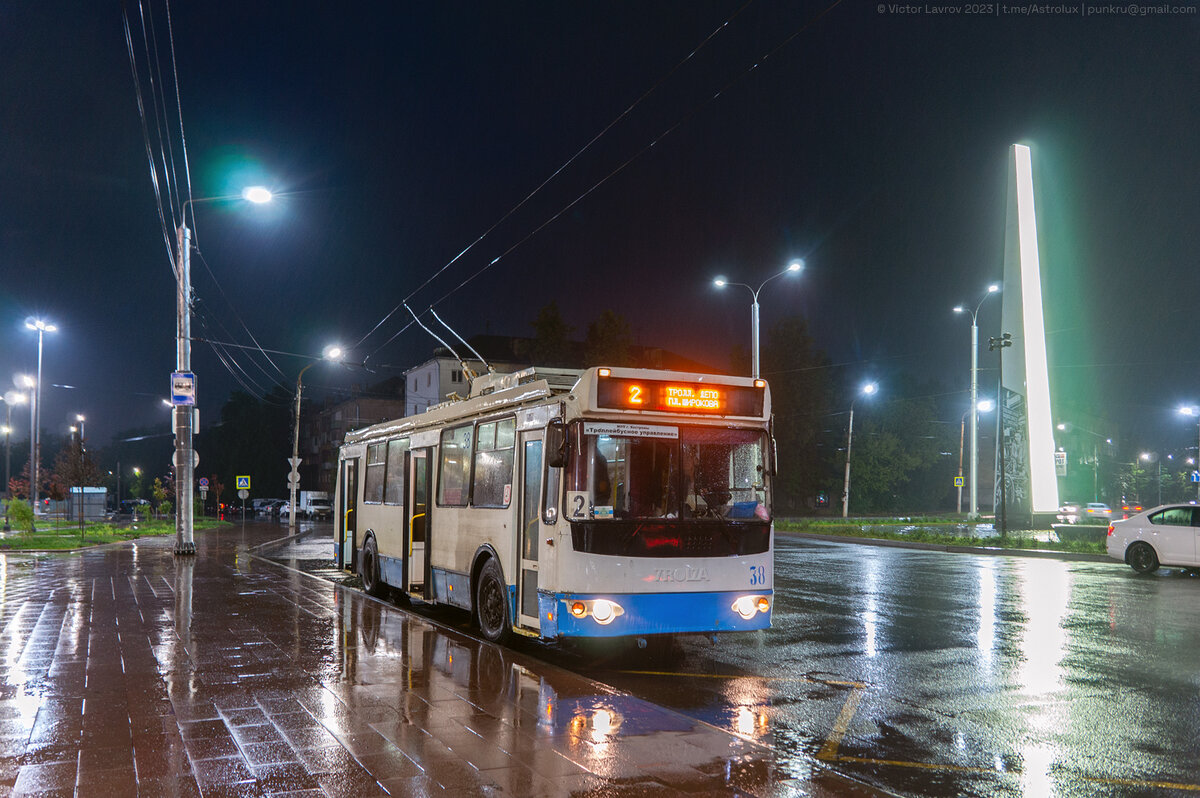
x: 530, y: 529
x: 416, y: 535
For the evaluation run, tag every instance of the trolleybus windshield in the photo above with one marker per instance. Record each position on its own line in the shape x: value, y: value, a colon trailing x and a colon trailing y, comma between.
x: 644, y: 471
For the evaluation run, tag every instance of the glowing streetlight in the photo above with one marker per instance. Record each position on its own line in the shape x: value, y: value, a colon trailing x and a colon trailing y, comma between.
x: 991, y: 289
x: 868, y: 389
x: 332, y: 353
x: 184, y: 408
x: 720, y: 282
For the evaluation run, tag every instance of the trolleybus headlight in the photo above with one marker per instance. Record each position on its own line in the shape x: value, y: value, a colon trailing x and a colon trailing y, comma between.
x: 604, y: 611
x: 749, y: 606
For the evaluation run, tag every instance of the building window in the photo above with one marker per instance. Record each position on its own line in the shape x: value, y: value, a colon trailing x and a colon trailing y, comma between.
x: 456, y: 376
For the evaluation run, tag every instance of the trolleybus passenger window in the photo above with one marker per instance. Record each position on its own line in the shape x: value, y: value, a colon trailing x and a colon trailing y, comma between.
x: 494, y: 463
x: 455, y: 466
x: 373, y: 484
x: 393, y: 492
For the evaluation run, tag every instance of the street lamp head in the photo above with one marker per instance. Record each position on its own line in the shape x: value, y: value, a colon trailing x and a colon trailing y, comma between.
x: 1062, y: 427
x: 1189, y: 410
x: 1146, y: 456
x: 993, y: 288
x: 720, y: 282
x: 40, y: 325
x: 959, y: 309
x: 334, y: 352
x: 15, y: 398
x: 257, y: 194
x: 796, y: 265
x: 870, y: 388
x: 79, y: 417
x: 985, y: 406
x: 26, y: 380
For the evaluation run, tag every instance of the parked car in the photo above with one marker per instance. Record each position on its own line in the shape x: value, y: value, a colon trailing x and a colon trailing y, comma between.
x: 1164, y: 535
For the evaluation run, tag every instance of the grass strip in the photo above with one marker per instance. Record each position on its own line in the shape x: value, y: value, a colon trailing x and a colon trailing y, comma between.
x: 94, y: 534
x: 1023, y: 539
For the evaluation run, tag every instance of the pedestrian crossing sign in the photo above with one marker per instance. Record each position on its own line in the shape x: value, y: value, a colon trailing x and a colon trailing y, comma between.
x: 958, y: 482
x: 243, y: 483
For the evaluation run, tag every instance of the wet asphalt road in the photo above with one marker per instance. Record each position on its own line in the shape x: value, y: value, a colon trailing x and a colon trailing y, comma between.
x: 945, y: 674
x: 929, y: 673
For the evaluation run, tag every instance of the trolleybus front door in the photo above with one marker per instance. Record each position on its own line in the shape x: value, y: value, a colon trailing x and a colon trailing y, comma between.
x: 347, y: 520
x: 417, y: 533
x: 531, y: 492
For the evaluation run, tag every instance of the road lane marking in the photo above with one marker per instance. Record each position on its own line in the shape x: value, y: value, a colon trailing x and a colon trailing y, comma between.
x: 809, y: 679
x: 1162, y: 785
x: 829, y: 750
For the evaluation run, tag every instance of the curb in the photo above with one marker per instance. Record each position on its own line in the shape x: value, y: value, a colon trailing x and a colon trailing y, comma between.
x: 1071, y: 556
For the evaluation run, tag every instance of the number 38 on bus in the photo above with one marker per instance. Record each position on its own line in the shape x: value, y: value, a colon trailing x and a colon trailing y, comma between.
x: 564, y: 504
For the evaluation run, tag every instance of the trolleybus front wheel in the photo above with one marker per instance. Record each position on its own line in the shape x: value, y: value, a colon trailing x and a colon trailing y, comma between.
x: 491, y: 603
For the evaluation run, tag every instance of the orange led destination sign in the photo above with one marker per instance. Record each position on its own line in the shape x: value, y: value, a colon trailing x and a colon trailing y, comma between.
x: 679, y: 397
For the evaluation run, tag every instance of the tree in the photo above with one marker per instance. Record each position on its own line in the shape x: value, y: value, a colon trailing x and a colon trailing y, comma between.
x: 898, y: 461
x: 609, y: 340
x: 158, y: 494
x: 551, y: 345
x: 798, y: 376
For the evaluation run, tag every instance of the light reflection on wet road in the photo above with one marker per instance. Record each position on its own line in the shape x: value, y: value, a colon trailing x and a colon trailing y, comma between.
x: 930, y: 673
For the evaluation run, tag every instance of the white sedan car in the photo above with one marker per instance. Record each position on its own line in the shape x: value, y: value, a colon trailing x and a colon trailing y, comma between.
x: 1166, y: 535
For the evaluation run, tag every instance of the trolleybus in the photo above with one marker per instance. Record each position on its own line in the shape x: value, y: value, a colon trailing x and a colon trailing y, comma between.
x: 609, y: 502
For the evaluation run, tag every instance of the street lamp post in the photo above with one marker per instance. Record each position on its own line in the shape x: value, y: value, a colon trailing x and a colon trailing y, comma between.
x: 1148, y: 457
x: 42, y: 328
x: 11, y: 398
x: 184, y: 413
x: 1194, y: 412
x: 331, y: 353
x: 991, y: 289
x: 982, y: 407
x: 866, y: 390
x: 721, y: 282
x: 998, y: 344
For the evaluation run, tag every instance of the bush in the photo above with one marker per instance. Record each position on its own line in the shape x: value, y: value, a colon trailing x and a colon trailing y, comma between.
x: 19, y: 514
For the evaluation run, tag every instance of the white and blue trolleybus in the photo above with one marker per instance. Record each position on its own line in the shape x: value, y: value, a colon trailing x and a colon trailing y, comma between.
x: 609, y: 502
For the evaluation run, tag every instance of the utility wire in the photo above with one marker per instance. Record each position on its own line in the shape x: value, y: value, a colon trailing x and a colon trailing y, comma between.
x: 670, y: 129
x: 549, y: 179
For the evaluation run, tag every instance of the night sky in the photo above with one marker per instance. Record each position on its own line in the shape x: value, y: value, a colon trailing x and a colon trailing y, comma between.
x: 872, y: 144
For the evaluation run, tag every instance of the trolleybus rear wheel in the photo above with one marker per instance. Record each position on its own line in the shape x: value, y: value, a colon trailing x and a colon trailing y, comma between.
x: 491, y: 603
x: 369, y: 569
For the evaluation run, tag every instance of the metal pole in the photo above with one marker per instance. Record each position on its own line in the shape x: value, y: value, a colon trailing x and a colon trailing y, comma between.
x: 974, y: 513
x: 846, y: 483
x: 7, y: 446
x: 37, y: 423
x: 1197, y: 461
x: 184, y: 414
x: 294, y: 481
x: 32, y: 445
x: 961, y: 423
x: 754, y: 334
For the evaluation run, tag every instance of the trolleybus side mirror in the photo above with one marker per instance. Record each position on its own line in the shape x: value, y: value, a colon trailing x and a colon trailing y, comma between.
x: 556, y: 444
